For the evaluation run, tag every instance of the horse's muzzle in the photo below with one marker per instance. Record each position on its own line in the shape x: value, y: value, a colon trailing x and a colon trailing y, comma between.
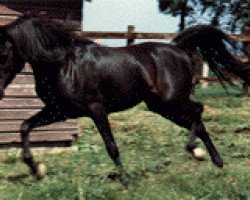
x: 1, y: 92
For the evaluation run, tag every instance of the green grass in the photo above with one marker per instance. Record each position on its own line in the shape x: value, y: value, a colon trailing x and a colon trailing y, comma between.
x: 152, y: 151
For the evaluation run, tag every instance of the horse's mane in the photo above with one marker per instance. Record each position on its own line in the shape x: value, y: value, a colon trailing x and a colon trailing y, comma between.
x: 40, y: 38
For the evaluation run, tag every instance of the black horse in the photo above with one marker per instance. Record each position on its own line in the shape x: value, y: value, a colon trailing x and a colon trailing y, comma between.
x: 75, y: 77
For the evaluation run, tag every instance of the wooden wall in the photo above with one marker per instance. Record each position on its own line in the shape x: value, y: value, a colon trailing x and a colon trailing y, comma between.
x: 20, y: 101
x: 59, y: 9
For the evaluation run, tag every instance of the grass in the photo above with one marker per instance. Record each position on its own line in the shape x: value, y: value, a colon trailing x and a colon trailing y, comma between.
x: 152, y: 150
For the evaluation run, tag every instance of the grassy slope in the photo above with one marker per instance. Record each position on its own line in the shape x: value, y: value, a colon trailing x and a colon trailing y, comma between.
x: 152, y: 150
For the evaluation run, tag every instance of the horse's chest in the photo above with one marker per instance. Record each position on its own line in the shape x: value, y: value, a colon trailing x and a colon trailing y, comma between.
x: 48, y: 93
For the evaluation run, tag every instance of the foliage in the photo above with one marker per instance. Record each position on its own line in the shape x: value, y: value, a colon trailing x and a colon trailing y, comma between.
x: 228, y: 15
x: 152, y: 150
x: 191, y: 11
x: 240, y: 9
x: 175, y: 8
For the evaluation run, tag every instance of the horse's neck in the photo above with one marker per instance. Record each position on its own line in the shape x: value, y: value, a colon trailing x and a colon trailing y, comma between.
x: 27, y: 43
x: 21, y: 41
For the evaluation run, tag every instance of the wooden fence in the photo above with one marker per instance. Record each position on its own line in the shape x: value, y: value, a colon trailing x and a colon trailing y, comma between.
x: 142, y: 35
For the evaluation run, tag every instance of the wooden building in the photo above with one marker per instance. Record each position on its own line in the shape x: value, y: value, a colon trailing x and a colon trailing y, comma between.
x: 59, y: 9
x: 20, y: 101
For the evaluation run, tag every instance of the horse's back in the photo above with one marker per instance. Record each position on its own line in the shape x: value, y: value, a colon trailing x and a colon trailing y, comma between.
x: 168, y: 70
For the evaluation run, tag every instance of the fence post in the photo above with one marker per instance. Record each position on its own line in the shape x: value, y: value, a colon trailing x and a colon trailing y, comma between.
x: 205, y: 73
x: 198, y: 66
x: 246, y: 31
x: 131, y: 29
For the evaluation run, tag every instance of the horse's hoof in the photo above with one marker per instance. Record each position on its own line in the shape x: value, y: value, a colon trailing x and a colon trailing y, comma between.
x: 40, y: 171
x: 218, y: 162
x: 124, y: 179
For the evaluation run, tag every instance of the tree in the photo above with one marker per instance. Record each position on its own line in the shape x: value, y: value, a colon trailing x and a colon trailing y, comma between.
x: 175, y: 8
x: 240, y: 9
x: 228, y: 15
x: 188, y: 10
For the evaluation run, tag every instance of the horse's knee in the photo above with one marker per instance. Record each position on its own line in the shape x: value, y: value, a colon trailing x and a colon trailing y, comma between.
x: 24, y: 129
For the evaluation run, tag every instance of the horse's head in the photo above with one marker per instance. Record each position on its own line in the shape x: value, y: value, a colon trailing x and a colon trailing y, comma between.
x: 10, y: 62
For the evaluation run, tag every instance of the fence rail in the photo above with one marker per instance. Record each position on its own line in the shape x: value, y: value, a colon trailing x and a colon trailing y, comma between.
x: 143, y: 35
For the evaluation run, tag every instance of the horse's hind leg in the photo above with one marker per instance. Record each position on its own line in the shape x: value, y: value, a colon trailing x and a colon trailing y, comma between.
x: 187, y: 114
x: 204, y: 136
x: 176, y: 113
x: 196, y: 111
x: 198, y: 129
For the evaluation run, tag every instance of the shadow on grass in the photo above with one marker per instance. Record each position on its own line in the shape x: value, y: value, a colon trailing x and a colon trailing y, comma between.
x: 244, y: 130
x: 141, y: 173
x: 20, y: 178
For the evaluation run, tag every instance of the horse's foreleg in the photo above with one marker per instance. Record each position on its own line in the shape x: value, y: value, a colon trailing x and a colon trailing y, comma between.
x: 27, y: 156
x: 99, y: 116
x: 44, y: 117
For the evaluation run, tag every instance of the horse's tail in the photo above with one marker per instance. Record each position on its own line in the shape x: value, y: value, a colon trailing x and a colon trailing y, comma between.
x: 213, y: 44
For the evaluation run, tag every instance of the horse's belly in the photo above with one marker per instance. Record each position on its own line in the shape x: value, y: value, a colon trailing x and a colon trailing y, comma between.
x: 121, y: 102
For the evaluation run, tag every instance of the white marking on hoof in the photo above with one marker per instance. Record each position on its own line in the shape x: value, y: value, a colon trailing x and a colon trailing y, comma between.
x: 199, y: 154
x: 41, y: 171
